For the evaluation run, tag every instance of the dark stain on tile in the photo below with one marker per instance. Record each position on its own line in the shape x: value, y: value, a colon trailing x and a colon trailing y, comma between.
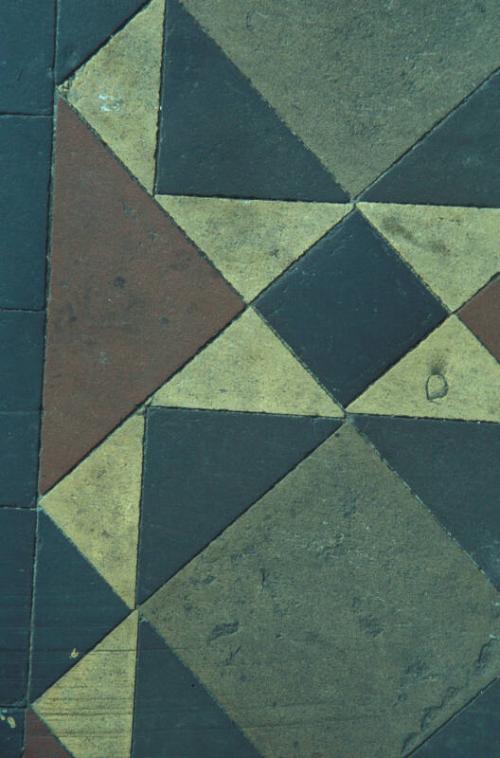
x: 350, y: 308
x: 19, y: 435
x: 21, y: 338
x: 17, y: 537
x: 174, y: 714
x: 454, y: 468
x: 83, y: 27
x: 458, y: 163
x: 107, y: 347
x: 474, y: 731
x: 202, y: 469
x: 26, y: 52
x: 482, y: 315
x: 25, y: 152
x: 39, y: 741
x: 217, y: 134
x: 74, y: 607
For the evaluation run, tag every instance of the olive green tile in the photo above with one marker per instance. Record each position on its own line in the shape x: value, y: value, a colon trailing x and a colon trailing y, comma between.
x: 90, y: 708
x: 252, y: 241
x: 97, y: 506
x: 455, y: 250
x: 448, y: 375
x: 247, y: 368
x: 335, y: 617
x: 359, y: 81
x: 117, y: 91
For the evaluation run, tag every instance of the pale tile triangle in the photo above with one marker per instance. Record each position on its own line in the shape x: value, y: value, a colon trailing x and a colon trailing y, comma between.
x: 449, y: 375
x: 90, y: 709
x: 252, y: 241
x: 118, y: 90
x: 97, y: 506
x: 247, y: 368
x: 454, y: 250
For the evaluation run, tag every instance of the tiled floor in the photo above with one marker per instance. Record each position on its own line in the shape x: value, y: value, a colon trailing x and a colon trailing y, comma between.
x: 250, y: 379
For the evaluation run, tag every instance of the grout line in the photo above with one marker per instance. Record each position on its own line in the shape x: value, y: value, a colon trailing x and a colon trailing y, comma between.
x: 160, y: 96
x: 50, y: 192
x: 441, y: 727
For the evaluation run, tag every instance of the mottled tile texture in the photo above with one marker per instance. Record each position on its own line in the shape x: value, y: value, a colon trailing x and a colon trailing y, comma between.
x: 249, y: 379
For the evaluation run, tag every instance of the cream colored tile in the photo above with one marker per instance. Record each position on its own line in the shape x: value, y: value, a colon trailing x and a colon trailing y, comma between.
x: 449, y: 375
x: 252, y: 241
x: 97, y: 506
x: 118, y: 90
x: 247, y: 368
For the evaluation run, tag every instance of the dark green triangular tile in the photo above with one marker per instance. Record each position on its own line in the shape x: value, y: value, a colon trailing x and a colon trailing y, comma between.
x: 74, y: 607
x: 473, y: 733
x: 217, y: 134
x: 458, y: 163
x: 202, y: 469
x: 174, y: 714
x: 454, y: 468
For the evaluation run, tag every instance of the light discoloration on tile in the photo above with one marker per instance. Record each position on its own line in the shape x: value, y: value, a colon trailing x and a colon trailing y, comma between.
x: 455, y: 250
x: 252, y: 241
x: 117, y: 91
x: 90, y: 709
x: 336, y: 572
x: 97, y: 506
x: 449, y: 375
x: 247, y: 368
x: 359, y: 80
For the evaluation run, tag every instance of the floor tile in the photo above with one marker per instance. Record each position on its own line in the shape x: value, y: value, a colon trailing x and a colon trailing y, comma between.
x: 27, y: 50
x: 482, y: 315
x: 174, y: 714
x: 39, y: 742
x: 74, y: 607
x: 21, y: 337
x: 19, y: 435
x: 335, y: 616
x: 117, y: 91
x: 454, y: 250
x: 17, y: 538
x: 349, y: 308
x: 90, y: 709
x: 83, y: 27
x: 474, y: 731
x: 247, y: 368
x: 11, y: 732
x: 449, y: 375
x: 212, y: 119
x: 131, y: 300
x: 97, y: 506
x: 359, y: 82
x: 252, y: 241
x: 452, y: 466
x: 458, y: 163
x: 25, y: 152
x: 202, y: 469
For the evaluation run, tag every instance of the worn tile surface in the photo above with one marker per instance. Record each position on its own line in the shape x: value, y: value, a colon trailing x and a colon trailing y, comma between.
x: 249, y: 379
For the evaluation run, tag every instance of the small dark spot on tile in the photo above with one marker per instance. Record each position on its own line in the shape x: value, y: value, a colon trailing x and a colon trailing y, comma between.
x: 223, y: 630
x: 371, y: 626
x: 164, y: 320
x: 119, y: 281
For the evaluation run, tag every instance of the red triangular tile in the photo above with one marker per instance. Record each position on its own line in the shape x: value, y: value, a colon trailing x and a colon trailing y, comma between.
x: 39, y: 741
x: 482, y: 315
x: 131, y: 300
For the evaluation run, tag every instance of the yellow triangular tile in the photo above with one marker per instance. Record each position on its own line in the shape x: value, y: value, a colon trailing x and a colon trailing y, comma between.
x: 118, y: 91
x: 455, y: 250
x: 247, y: 368
x: 449, y: 375
x: 252, y: 241
x: 90, y: 709
x: 97, y: 505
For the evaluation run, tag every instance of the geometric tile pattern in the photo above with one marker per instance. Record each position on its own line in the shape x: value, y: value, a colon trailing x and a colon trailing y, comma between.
x: 260, y: 388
